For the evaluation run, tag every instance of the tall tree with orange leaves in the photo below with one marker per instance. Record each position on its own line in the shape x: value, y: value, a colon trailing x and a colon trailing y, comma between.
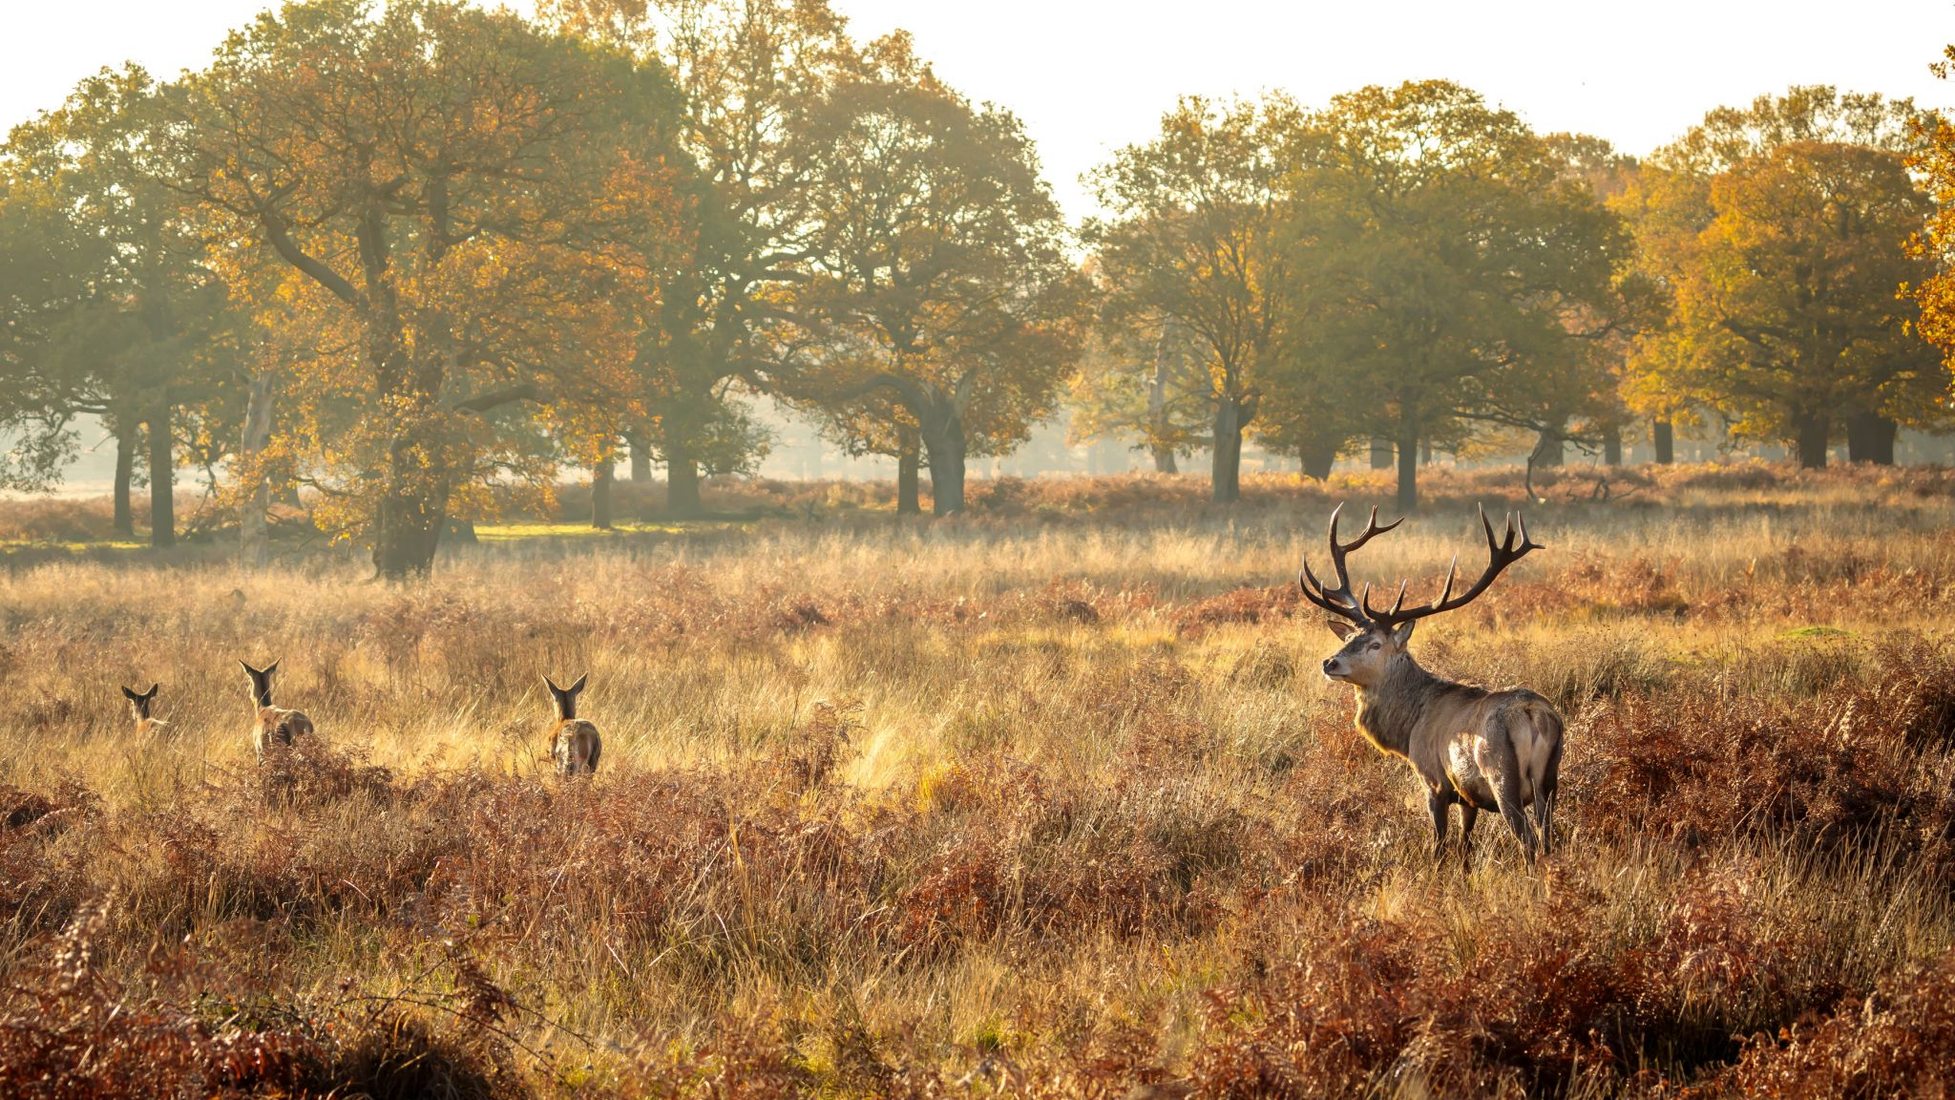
x: 461, y: 208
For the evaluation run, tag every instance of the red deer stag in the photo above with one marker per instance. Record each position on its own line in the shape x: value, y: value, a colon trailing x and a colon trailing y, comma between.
x: 1485, y: 750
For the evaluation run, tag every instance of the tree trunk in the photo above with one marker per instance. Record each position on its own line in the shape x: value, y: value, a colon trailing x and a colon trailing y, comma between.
x: 1810, y: 436
x: 162, y: 481
x: 254, y: 536
x: 1612, y: 446
x: 943, y: 444
x: 1870, y: 438
x: 909, y: 497
x: 681, y: 477
x: 601, y: 477
x: 407, y: 530
x: 641, y: 458
x: 1232, y: 414
x: 1381, y: 453
x: 1157, y: 407
x: 127, y: 429
x: 1550, y: 449
x: 1408, y: 470
x: 1318, y: 458
x: 1663, y: 440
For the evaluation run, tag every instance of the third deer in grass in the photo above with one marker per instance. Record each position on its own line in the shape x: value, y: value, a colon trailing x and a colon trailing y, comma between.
x: 139, y: 704
x: 275, y: 725
x: 574, y: 744
x: 1485, y: 750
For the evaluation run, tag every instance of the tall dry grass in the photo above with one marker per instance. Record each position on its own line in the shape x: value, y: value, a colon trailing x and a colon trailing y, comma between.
x: 1043, y: 800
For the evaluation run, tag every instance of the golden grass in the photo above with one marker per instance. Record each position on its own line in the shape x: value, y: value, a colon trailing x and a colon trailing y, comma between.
x: 1046, y: 799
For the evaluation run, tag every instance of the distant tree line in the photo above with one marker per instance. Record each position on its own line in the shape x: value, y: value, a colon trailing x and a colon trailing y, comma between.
x: 409, y: 256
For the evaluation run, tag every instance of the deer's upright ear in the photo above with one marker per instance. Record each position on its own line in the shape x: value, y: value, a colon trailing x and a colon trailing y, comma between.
x: 151, y: 693
x: 1343, y: 628
x: 578, y: 686
x: 130, y: 695
x: 1402, y: 633
x: 552, y: 685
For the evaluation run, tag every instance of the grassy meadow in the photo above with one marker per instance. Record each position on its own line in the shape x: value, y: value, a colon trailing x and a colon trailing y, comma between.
x: 1048, y: 799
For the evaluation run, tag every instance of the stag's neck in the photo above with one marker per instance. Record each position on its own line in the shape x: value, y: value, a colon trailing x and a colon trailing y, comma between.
x: 1389, y: 709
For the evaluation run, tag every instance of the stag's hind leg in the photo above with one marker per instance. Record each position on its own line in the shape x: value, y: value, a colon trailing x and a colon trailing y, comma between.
x: 1468, y: 814
x: 1513, y: 806
x: 1545, y: 789
x: 1436, y: 802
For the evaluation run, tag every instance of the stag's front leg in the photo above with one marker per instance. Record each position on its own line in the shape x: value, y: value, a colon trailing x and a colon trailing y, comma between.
x: 1436, y: 801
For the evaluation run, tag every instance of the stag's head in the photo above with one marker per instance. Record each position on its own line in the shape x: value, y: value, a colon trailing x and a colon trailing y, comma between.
x: 1373, y: 638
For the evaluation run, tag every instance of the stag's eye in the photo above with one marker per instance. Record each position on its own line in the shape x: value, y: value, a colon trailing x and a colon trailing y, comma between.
x: 1375, y: 646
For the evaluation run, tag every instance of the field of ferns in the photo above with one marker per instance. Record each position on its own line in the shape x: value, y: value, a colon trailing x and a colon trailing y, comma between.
x: 1047, y: 799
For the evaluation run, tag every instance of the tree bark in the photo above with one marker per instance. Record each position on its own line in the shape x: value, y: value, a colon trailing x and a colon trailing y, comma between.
x: 909, y: 459
x: 944, y: 448
x: 127, y: 429
x: 1810, y: 431
x: 1232, y: 414
x: 162, y: 481
x: 1870, y: 438
x: 254, y: 535
x: 1408, y: 469
x: 1157, y: 408
x: 1381, y: 453
x: 681, y: 477
x: 1663, y: 440
x: 1318, y: 458
x: 1550, y: 449
x: 641, y: 458
x: 602, y: 475
x: 1612, y: 446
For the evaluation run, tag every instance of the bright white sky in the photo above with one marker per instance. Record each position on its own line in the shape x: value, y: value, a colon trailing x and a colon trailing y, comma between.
x: 1088, y: 77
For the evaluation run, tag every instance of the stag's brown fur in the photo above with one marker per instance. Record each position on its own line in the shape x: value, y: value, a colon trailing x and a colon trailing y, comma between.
x: 1481, y: 750
x: 274, y: 725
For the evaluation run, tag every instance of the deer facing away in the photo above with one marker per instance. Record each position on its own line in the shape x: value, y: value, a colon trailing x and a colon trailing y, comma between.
x: 139, y: 704
x: 275, y: 725
x: 574, y: 743
x: 1479, y: 749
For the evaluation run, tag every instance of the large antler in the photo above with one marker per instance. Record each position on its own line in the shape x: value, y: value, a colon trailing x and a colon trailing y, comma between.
x: 1501, y: 553
x: 1340, y: 600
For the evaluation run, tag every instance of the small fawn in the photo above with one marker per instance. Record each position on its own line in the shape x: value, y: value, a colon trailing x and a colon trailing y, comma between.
x: 275, y: 725
x: 574, y: 744
x: 139, y: 704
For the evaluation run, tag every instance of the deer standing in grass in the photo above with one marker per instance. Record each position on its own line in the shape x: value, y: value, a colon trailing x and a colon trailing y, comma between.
x: 275, y: 725
x: 574, y: 744
x: 139, y: 704
x: 1481, y: 749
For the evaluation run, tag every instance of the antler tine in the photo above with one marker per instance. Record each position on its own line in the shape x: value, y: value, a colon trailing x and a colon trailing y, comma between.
x: 1503, y: 550
x: 1340, y: 600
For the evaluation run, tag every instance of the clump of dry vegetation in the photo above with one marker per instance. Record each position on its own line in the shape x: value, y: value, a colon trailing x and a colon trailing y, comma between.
x: 993, y: 806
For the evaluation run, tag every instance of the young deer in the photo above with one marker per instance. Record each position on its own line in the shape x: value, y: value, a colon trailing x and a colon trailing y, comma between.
x: 1485, y: 750
x: 275, y: 725
x: 574, y: 744
x: 139, y: 704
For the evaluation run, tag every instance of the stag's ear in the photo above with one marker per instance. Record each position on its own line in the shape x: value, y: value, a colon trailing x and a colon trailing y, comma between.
x: 1343, y: 628
x: 1402, y: 633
